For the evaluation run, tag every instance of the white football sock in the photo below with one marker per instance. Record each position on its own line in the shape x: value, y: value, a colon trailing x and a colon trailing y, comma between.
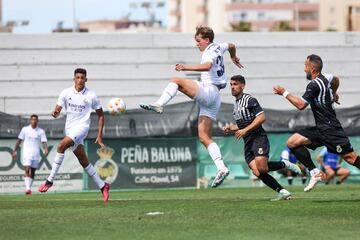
x: 314, y: 171
x: 168, y: 94
x: 59, y: 158
x: 93, y: 174
x: 31, y: 180
x: 215, y: 154
x: 27, y: 183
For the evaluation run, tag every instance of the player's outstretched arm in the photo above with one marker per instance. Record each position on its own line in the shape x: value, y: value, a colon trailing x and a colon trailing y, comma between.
x: 234, y: 58
x: 56, y: 111
x: 101, y: 122
x: 260, y: 119
x: 294, y: 100
x: 197, y: 67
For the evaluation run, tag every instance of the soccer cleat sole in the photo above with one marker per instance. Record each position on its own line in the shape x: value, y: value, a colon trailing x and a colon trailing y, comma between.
x: 220, y: 181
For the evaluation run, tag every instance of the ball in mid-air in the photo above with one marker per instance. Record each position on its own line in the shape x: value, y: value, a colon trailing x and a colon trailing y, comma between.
x: 116, y: 106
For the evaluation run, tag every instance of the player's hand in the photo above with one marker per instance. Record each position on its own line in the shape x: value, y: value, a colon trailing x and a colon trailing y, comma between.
x: 336, y: 98
x: 236, y: 61
x: 226, y: 129
x: 179, y: 67
x: 278, y: 90
x: 99, y: 141
x: 240, y: 133
x: 13, y: 155
x: 55, y: 114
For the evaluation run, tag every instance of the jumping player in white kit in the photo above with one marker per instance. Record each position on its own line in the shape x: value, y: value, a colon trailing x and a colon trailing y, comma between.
x: 78, y: 101
x: 33, y: 137
x: 206, y: 92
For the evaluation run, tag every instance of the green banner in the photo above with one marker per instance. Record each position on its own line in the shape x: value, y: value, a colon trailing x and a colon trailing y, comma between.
x: 145, y: 163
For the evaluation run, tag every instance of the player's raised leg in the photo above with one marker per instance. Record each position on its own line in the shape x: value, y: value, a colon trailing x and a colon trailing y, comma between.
x: 65, y: 143
x: 90, y: 170
x: 186, y: 86
x: 297, y: 143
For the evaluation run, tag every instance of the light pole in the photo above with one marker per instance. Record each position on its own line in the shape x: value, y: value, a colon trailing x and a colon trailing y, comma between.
x: 296, y: 9
x: 74, y: 16
x: 1, y: 22
x: 148, y: 5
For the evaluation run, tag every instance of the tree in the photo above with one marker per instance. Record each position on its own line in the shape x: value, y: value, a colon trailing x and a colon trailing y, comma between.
x: 241, y: 27
x: 282, y: 26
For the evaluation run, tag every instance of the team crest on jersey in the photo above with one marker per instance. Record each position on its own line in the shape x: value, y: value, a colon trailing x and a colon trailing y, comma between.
x: 338, y: 149
x: 260, y: 151
x: 85, y: 100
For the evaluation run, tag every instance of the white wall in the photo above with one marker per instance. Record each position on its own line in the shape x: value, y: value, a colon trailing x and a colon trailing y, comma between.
x: 35, y: 68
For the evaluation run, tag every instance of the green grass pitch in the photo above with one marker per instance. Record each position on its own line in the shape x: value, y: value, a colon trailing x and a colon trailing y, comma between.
x: 329, y: 212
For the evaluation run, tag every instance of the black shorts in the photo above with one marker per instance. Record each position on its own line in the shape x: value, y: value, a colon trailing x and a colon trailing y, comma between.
x: 254, y: 146
x: 334, y: 139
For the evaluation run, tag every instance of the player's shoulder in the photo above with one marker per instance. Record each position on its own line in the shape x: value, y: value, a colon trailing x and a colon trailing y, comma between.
x: 249, y: 97
x: 25, y: 128
x: 67, y: 91
x: 313, y: 84
x: 39, y: 129
x: 90, y: 92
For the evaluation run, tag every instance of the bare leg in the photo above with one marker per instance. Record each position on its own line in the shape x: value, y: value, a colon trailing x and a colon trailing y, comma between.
x: 343, y: 174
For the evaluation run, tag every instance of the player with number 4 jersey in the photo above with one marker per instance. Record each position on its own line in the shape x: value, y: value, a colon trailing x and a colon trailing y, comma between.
x: 206, y: 92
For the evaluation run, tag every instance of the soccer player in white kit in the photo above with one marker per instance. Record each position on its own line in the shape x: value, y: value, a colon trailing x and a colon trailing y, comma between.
x: 33, y: 137
x: 206, y: 92
x: 79, y: 101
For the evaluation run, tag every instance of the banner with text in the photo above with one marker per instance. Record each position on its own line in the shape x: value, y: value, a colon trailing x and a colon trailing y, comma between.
x: 145, y: 163
x: 69, y: 178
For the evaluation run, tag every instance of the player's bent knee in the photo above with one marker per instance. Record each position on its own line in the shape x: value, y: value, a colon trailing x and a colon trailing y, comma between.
x: 255, y: 172
x: 175, y: 80
x: 291, y: 143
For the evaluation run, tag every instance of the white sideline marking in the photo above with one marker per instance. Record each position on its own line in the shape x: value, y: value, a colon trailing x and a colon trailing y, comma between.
x: 154, y: 213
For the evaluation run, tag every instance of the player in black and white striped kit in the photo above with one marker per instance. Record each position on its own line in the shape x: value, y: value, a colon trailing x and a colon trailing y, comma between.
x: 249, y: 117
x: 320, y: 94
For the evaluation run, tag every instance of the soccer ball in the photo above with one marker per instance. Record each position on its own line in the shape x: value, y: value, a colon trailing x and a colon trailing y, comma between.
x: 116, y: 106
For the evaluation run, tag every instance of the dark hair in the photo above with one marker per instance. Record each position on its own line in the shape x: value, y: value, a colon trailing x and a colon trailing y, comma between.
x: 238, y: 78
x: 80, y: 70
x: 316, y: 61
x: 34, y: 116
x: 205, y: 32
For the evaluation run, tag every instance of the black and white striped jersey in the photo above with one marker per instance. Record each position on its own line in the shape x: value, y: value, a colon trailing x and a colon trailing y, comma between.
x: 246, y: 109
x: 319, y: 95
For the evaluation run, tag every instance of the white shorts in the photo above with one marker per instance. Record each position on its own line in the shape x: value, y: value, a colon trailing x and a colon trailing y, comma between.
x: 209, y: 100
x: 33, y: 163
x: 78, y: 135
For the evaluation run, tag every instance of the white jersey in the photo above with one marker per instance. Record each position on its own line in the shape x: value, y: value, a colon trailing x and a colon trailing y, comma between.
x: 214, y: 54
x: 78, y: 106
x: 32, y: 138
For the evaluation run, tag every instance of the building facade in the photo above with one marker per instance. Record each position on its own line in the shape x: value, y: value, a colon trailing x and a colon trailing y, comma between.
x: 261, y: 15
x: 340, y: 16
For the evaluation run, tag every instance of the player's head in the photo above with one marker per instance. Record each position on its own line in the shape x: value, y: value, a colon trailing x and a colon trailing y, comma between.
x: 237, y: 85
x: 80, y: 78
x: 313, y: 66
x: 203, y: 36
x: 34, y: 120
